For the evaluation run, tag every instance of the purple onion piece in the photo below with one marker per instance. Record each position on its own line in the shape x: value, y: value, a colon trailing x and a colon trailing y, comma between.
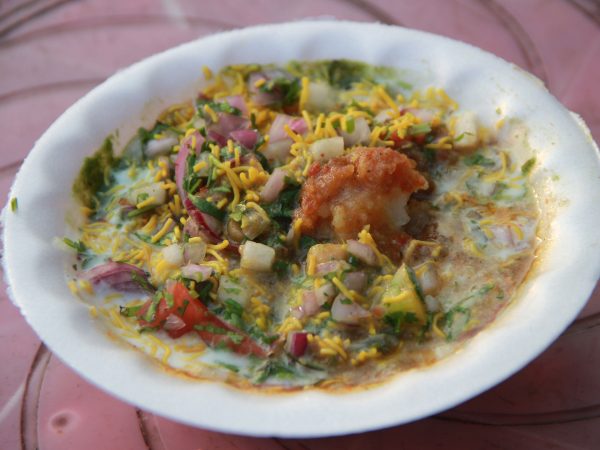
x: 119, y: 276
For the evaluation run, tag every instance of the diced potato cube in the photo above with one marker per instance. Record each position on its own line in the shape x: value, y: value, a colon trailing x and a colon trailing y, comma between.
x: 256, y: 256
x: 325, y: 149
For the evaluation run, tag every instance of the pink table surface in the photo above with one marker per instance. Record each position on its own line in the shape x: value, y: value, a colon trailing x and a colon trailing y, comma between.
x: 54, y: 51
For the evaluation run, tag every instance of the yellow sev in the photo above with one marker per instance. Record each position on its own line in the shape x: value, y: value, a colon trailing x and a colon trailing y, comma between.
x: 348, y: 293
x: 365, y: 237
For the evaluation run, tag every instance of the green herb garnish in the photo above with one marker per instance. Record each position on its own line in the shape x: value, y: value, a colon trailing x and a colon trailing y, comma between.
x: 207, y: 207
x: 527, y: 166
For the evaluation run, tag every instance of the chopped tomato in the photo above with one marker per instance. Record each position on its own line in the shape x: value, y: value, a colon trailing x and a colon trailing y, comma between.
x: 196, y: 316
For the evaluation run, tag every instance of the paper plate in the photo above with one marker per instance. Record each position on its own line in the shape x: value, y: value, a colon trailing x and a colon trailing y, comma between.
x: 567, y: 181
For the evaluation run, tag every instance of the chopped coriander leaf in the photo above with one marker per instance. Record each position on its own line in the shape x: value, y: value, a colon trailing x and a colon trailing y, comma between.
x: 233, y: 307
x: 281, y: 267
x: 210, y: 328
x: 14, y: 204
x: 147, y: 135
x: 138, y: 212
x: 130, y: 311
x: 151, y: 311
x: 306, y: 242
x: 228, y: 366
x: 528, y: 165
x: 478, y: 159
x: 461, y: 136
x: 350, y: 125
x: 289, y: 89
x: 422, y: 128
x: 142, y: 282
x: 398, y: 319
x: 283, y: 207
x: 77, y: 245
x: 274, y: 369
x: 354, y: 261
x: 207, y: 207
x: 95, y: 174
x: 216, y: 107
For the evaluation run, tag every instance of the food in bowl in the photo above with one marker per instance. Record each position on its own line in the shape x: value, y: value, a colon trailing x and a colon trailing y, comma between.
x: 318, y: 224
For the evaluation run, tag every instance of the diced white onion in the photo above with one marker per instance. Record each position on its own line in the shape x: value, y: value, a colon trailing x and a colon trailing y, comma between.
x: 362, y: 252
x: 156, y: 147
x: 274, y: 186
x: 428, y: 280
x: 194, y: 252
x: 278, y: 151
x: 325, y: 293
x: 173, y: 323
x: 173, y: 254
x: 360, y: 134
x: 196, y: 272
x: 152, y: 190
x: 349, y: 313
x: 356, y: 281
x: 321, y: 97
x: 432, y: 304
x: 384, y: 116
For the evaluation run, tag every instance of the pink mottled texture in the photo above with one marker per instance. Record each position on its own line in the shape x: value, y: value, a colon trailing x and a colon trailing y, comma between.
x: 54, y: 51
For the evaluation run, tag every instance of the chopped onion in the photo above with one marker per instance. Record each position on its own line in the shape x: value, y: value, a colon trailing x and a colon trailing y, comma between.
x: 309, y: 303
x: 325, y: 293
x: 360, y: 135
x: 432, y: 304
x: 321, y: 97
x: 277, y: 131
x: 120, y: 276
x: 173, y: 323
x: 208, y: 223
x: 356, y: 281
x: 157, y: 147
x: 296, y: 343
x: 326, y: 149
x: 428, y: 279
x: 259, y: 97
x: 256, y: 256
x: 274, y: 186
x: 383, y: 116
x: 227, y: 123
x: 196, y: 272
x: 362, y: 251
x: 152, y: 190
x: 346, y: 311
x: 277, y: 151
x: 194, y: 252
x: 426, y: 115
x: 237, y: 101
x: 331, y: 266
x: 246, y: 138
x: 173, y: 254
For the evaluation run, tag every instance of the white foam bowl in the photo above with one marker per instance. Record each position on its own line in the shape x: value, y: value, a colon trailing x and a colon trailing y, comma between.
x: 564, y: 277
